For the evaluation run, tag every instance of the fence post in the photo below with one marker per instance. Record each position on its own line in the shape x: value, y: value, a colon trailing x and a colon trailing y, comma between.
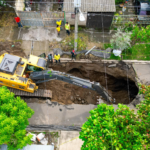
x: 64, y: 17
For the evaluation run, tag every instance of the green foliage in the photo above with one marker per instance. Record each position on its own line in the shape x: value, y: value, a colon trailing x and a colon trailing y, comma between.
x: 136, y: 52
x: 14, y: 114
x: 107, y: 45
x: 50, y: 73
x: 128, y: 26
x: 121, y: 129
x: 69, y: 42
x: 119, y: 1
x: 141, y: 34
x: 121, y: 40
x: 3, y: 3
x: 117, y: 18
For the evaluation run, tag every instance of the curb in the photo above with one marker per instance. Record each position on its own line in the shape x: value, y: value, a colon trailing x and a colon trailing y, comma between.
x: 104, y: 61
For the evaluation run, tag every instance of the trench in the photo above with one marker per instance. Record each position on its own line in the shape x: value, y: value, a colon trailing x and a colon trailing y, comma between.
x: 119, y: 81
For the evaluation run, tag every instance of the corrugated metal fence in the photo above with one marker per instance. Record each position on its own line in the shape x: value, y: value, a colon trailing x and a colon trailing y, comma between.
x: 45, y: 19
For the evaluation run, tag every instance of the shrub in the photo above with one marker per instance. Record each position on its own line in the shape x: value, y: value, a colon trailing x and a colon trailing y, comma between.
x: 121, y: 40
x: 121, y: 129
x: 14, y: 114
x: 141, y: 34
x: 119, y: 1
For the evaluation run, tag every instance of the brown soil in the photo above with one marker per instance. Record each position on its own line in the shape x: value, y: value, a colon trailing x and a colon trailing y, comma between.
x: 6, y: 47
x: 116, y: 83
x: 7, y: 15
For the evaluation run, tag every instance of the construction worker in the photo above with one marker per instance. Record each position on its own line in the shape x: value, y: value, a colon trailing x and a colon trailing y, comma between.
x: 58, y: 22
x: 57, y: 58
x: 67, y: 27
x: 58, y: 29
x: 49, y: 60
x: 18, y: 21
x: 73, y: 55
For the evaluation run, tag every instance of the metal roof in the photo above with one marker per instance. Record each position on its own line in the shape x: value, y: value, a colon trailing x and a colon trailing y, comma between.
x: 32, y: 147
x: 91, y: 6
x: 145, y: 6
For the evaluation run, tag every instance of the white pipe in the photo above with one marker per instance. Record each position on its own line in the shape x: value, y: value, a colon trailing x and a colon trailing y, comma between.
x: 89, y: 50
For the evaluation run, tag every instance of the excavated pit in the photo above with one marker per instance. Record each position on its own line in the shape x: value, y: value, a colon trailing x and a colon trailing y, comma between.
x: 120, y: 82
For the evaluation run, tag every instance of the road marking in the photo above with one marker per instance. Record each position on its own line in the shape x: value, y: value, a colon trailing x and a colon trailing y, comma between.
x: 69, y: 141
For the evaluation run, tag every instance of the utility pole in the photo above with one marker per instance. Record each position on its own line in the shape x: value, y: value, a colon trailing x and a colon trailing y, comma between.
x: 76, y: 29
x: 77, y: 4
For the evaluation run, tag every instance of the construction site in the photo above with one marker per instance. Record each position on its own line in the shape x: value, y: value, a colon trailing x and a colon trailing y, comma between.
x: 113, y: 77
x: 63, y: 94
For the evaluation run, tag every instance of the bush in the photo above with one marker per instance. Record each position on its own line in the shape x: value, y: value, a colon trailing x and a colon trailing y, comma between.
x: 123, y: 129
x: 140, y: 34
x: 121, y: 40
x: 119, y: 1
x: 14, y: 114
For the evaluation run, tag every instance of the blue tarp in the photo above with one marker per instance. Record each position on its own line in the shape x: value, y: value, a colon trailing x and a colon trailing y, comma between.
x: 32, y: 147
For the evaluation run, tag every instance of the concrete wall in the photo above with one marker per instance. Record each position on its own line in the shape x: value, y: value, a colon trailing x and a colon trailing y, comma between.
x: 20, y: 5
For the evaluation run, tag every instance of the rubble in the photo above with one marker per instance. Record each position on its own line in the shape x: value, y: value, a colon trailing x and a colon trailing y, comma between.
x: 48, y: 102
x: 40, y: 136
x: 44, y: 141
x: 113, y: 65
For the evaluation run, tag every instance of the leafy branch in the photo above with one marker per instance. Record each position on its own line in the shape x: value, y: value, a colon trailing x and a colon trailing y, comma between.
x: 14, y: 114
x: 121, y: 129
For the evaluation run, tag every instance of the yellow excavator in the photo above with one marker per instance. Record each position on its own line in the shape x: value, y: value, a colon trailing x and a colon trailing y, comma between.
x: 24, y: 74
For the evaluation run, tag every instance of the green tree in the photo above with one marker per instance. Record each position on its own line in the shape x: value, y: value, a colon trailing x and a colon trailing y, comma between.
x: 2, y: 2
x: 14, y: 114
x: 121, y: 129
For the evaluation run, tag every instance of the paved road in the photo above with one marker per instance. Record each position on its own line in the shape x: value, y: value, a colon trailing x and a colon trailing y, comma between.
x: 143, y: 72
x: 59, y: 114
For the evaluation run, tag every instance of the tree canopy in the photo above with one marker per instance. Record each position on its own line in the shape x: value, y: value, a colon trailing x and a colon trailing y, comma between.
x: 14, y: 114
x: 121, y: 129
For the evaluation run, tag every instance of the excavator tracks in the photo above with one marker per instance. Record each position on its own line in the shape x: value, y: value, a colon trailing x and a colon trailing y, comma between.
x: 38, y: 93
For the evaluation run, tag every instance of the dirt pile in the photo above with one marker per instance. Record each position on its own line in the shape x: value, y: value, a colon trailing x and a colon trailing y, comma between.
x: 120, y: 85
x: 11, y: 48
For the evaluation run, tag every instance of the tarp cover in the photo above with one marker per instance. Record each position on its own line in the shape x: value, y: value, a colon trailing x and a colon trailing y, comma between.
x: 98, y: 53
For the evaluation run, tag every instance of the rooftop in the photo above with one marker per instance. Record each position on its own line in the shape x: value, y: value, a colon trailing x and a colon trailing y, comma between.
x: 91, y: 6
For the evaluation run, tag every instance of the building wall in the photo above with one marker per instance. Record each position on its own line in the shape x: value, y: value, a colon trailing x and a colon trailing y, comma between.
x: 72, y: 21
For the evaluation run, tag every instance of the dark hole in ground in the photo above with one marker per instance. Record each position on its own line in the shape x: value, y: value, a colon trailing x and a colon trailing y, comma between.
x: 123, y: 89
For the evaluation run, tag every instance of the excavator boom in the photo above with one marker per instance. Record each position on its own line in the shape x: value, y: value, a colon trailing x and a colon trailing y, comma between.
x: 44, y: 76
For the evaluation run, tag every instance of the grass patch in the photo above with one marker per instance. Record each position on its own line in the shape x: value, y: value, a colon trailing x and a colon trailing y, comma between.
x: 137, y: 52
x: 54, y: 134
x: 68, y: 43
x: 107, y: 45
x: 19, y: 40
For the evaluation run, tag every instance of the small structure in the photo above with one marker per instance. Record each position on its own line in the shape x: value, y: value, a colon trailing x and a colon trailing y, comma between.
x: 92, y: 10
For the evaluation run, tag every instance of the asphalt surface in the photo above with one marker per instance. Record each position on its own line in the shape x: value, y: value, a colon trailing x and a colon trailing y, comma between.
x: 71, y: 115
x: 143, y: 72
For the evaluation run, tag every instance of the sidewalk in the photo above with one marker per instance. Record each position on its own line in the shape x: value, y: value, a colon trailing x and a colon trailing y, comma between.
x: 37, y: 38
x: 69, y: 140
x: 143, y: 72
